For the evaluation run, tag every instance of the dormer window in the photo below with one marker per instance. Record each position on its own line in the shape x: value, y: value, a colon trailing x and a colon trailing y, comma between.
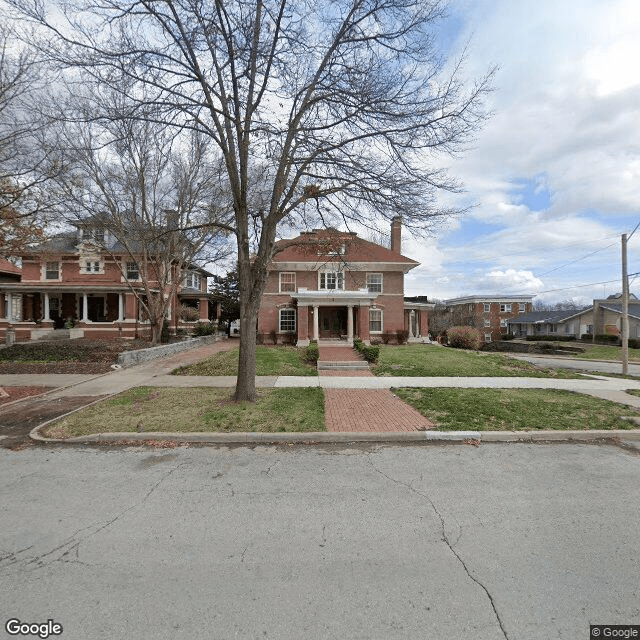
x: 94, y: 235
x: 192, y: 280
x: 91, y: 266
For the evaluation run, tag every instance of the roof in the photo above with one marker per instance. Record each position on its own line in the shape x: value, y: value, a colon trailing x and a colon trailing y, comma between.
x: 9, y: 267
x: 319, y: 244
x: 490, y: 298
x: 548, y: 317
x: 634, y: 308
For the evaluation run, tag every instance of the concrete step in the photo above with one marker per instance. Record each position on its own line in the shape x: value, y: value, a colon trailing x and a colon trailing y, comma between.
x: 56, y: 334
x: 351, y: 365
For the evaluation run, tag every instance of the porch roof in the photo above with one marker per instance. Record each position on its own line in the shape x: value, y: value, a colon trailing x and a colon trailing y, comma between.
x: 332, y: 297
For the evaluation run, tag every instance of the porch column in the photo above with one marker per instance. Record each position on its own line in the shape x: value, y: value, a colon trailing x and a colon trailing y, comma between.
x: 412, y: 324
x: 9, y: 305
x: 120, y: 307
x: 85, y: 308
x: 316, y: 329
x: 424, y: 322
x: 350, y: 322
x: 46, y: 308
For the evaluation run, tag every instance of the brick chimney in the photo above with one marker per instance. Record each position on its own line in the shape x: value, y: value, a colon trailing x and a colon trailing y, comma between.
x: 396, y: 234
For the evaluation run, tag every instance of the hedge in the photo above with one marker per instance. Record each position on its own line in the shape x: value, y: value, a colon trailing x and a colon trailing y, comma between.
x: 369, y: 352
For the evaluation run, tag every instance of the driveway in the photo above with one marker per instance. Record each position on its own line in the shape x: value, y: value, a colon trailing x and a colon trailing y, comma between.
x: 573, y: 363
x: 525, y: 542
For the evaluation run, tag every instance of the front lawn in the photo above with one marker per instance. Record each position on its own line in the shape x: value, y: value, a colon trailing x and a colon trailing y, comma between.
x: 434, y: 361
x: 270, y: 361
x: 197, y: 409
x: 606, y: 352
x: 515, y: 409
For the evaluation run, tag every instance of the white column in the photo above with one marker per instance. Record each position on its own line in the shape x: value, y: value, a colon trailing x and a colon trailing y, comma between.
x: 9, y: 305
x: 46, y: 308
x: 120, y: 307
x: 350, y: 322
x: 316, y: 331
x: 85, y: 308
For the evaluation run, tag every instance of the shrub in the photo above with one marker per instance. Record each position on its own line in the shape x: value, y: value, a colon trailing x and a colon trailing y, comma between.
x: 312, y: 353
x: 507, y: 336
x: 189, y: 314
x: 369, y: 352
x: 403, y: 336
x: 634, y: 343
x: 387, y: 336
x: 273, y: 336
x: 204, y: 329
x: 165, y: 334
x: 607, y: 338
x: 550, y: 338
x: 464, y: 338
x: 586, y: 337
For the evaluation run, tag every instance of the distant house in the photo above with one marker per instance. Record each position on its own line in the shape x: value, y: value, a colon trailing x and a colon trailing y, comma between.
x: 489, y: 314
x: 70, y: 281
x: 607, y: 315
x: 568, y: 322
x: 327, y: 284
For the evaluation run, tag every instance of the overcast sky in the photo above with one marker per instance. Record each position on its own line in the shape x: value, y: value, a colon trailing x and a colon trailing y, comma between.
x: 555, y: 174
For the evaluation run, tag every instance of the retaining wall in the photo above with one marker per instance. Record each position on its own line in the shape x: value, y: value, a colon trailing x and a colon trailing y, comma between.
x: 130, y: 358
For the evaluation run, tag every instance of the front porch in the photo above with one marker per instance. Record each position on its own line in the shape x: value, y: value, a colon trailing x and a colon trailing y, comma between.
x: 333, y: 315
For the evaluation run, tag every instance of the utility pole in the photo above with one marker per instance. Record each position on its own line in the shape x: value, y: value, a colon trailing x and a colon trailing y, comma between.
x: 625, y: 308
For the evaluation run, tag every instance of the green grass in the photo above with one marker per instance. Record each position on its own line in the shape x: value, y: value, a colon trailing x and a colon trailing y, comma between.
x: 515, y: 409
x: 430, y: 360
x: 197, y: 409
x: 606, y: 352
x: 270, y: 361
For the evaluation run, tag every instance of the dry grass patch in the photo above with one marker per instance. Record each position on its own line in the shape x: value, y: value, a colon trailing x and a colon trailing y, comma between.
x: 198, y: 409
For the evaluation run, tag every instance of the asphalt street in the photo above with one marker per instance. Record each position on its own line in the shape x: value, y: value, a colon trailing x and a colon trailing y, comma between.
x: 525, y: 542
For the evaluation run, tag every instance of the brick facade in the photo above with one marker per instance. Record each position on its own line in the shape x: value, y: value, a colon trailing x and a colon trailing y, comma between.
x: 327, y: 284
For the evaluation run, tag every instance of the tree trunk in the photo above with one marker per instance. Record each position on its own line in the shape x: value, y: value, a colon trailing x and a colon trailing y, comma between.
x: 156, y: 330
x: 246, y: 385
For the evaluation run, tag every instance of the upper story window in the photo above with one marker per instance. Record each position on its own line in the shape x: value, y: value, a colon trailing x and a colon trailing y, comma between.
x: 505, y: 308
x: 374, y: 282
x: 133, y: 272
x: 522, y: 307
x: 91, y: 266
x: 487, y: 307
x: 287, y: 282
x: 192, y: 280
x: 331, y: 280
x: 52, y: 271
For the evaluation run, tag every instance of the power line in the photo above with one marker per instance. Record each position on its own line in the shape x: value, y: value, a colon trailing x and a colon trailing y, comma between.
x: 580, y: 286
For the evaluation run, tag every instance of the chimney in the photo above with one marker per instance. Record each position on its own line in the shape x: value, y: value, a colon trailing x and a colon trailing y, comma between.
x: 396, y: 234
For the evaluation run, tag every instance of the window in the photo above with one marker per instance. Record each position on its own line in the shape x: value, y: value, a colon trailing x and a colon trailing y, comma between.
x: 52, y: 271
x: 522, y: 307
x: 16, y: 307
x: 487, y: 337
x: 287, y: 282
x: 375, y: 320
x: 92, y: 266
x: 331, y: 280
x: 505, y: 308
x: 374, y: 282
x: 192, y: 280
x: 132, y: 271
x: 487, y: 322
x: 553, y: 328
x: 487, y: 307
x: 503, y: 323
x: 287, y: 320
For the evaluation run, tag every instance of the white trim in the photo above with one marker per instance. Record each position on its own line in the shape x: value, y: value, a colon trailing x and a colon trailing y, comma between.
x: 287, y: 273
x: 381, y: 283
x: 295, y: 320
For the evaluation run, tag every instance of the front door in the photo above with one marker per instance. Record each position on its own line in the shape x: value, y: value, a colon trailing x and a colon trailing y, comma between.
x: 333, y: 322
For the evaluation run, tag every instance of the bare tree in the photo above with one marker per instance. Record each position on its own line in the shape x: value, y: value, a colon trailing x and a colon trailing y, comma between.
x: 325, y: 112
x: 160, y: 196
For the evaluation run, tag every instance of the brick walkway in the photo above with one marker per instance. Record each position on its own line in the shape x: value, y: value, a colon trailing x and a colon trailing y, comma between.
x: 370, y: 410
x: 339, y: 354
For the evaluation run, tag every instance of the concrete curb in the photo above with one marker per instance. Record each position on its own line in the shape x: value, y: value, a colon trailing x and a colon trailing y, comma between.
x: 470, y: 437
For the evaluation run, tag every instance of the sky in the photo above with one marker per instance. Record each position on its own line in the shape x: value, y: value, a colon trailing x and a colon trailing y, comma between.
x: 554, y: 176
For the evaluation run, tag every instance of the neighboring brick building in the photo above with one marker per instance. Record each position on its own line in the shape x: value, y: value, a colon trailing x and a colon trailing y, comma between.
x: 328, y: 284
x: 69, y: 281
x: 490, y: 314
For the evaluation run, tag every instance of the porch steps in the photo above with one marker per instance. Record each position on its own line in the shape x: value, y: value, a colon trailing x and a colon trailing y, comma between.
x: 345, y: 365
x: 55, y: 334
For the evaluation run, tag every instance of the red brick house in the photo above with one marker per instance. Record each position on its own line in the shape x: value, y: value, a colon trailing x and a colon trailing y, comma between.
x: 327, y: 284
x: 68, y: 281
x: 490, y: 314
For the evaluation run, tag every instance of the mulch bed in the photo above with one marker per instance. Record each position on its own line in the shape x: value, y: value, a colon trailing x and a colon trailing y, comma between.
x: 9, y: 394
x: 90, y: 368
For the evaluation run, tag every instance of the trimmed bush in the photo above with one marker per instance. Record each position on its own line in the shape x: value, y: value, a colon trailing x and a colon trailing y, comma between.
x: 464, y: 338
x: 403, y: 336
x: 507, y: 336
x: 189, y: 314
x: 634, y: 343
x: 369, y: 352
x: 607, y: 338
x: 204, y: 329
x: 312, y: 353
